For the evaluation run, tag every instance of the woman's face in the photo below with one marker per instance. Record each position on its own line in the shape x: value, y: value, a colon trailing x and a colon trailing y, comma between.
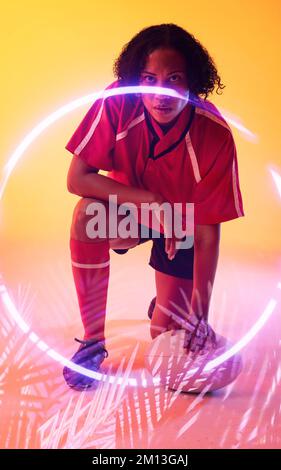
x: 165, y: 68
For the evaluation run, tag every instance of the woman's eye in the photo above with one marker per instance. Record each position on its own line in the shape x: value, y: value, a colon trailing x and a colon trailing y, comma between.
x: 151, y: 80
x: 148, y: 78
x: 175, y: 78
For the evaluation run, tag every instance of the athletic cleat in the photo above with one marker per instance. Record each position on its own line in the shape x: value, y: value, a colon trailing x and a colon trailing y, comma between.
x: 151, y: 308
x: 90, y: 355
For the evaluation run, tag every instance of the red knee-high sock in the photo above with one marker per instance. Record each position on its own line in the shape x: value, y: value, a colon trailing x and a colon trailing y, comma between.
x: 90, y: 267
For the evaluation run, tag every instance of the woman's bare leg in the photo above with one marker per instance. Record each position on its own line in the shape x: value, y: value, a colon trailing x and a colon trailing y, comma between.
x: 167, y: 290
x: 91, y: 267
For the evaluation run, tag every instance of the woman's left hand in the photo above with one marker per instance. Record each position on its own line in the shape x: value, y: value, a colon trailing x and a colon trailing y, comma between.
x: 200, y: 338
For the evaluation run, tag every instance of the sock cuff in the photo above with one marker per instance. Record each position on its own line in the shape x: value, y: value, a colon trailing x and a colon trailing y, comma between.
x: 89, y: 255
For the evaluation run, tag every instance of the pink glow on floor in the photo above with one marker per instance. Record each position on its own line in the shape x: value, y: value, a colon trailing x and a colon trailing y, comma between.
x: 37, y: 408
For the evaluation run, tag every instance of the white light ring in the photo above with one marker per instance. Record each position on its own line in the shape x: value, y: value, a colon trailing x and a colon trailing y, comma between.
x: 10, y: 165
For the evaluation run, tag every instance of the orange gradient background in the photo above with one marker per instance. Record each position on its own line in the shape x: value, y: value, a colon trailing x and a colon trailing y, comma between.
x: 54, y: 52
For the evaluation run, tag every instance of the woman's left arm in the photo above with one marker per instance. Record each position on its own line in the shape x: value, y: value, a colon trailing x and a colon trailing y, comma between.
x: 206, y: 253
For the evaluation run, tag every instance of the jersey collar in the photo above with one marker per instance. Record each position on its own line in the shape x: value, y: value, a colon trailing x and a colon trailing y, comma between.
x: 163, y: 143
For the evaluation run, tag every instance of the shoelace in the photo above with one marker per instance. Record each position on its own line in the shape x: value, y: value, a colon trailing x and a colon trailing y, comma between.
x: 88, y: 342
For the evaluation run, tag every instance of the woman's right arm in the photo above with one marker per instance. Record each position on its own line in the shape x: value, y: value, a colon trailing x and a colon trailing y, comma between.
x: 85, y: 181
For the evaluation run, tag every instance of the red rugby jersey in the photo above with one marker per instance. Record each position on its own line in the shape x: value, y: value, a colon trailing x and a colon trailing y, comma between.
x: 195, y: 161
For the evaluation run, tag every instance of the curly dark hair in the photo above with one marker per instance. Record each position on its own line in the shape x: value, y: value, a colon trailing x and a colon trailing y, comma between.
x: 201, y: 71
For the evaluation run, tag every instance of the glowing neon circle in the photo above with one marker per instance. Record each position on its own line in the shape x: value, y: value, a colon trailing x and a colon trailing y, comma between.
x: 10, y: 165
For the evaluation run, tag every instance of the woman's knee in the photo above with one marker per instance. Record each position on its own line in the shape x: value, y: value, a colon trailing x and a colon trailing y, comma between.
x: 157, y: 329
x: 160, y: 320
x: 82, y: 219
x: 172, y: 306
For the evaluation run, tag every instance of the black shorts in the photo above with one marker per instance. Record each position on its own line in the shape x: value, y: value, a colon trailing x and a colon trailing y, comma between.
x: 180, y: 266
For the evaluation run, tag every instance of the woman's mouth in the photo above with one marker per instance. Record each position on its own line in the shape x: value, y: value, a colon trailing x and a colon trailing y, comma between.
x: 162, y: 109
